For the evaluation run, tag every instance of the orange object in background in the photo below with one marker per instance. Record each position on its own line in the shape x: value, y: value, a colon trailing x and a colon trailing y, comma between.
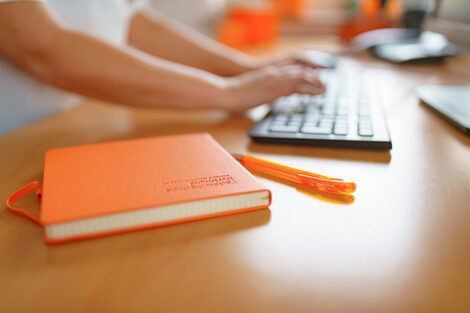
x: 370, y: 8
x: 232, y: 33
x: 249, y: 25
x: 261, y: 24
x: 289, y: 8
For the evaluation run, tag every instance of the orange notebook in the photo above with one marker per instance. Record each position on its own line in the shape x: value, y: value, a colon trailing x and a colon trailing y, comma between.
x: 115, y: 187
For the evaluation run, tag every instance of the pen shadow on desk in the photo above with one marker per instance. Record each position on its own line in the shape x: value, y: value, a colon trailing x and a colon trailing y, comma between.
x: 314, y: 193
x: 376, y: 156
x: 154, y: 240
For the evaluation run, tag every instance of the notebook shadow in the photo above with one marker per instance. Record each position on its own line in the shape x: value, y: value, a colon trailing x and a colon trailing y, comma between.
x: 322, y: 152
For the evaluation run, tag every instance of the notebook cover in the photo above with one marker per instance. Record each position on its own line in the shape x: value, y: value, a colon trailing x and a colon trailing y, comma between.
x: 101, y: 179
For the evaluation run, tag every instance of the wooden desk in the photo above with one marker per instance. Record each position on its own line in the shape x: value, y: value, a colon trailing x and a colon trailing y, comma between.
x: 401, y: 244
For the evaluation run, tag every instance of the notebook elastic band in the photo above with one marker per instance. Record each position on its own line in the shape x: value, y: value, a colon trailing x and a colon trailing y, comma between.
x: 19, y: 194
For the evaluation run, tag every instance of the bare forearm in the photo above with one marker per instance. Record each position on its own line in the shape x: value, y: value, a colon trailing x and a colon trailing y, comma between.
x: 85, y: 65
x: 168, y: 39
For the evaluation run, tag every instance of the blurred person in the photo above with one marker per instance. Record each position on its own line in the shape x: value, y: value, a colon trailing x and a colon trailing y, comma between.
x: 120, y: 52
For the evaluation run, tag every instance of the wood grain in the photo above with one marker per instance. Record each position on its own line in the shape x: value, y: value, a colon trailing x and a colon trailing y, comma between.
x: 400, y: 244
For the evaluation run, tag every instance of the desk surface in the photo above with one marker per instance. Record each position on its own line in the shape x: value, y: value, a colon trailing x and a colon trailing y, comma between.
x: 400, y: 244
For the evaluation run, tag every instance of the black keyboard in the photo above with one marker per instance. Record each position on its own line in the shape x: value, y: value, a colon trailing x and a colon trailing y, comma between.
x: 348, y: 115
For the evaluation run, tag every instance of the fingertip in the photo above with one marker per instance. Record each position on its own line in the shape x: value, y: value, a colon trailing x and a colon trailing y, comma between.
x: 312, y: 79
x: 310, y: 89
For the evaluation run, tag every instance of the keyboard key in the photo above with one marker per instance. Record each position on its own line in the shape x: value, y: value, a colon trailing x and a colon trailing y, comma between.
x: 340, y: 131
x: 284, y: 128
x: 317, y: 130
x: 328, y: 118
x: 366, y: 132
x: 296, y: 117
x: 288, y: 105
x: 363, y: 112
x: 294, y: 124
x: 290, y: 100
x: 314, y: 101
x: 313, y: 115
x: 342, y: 111
x: 326, y: 123
x: 365, y: 124
x: 281, y: 117
x: 328, y: 111
x: 304, y: 99
x: 279, y: 121
x: 341, y: 121
x: 364, y: 119
x: 277, y: 124
x: 342, y: 118
x: 310, y: 124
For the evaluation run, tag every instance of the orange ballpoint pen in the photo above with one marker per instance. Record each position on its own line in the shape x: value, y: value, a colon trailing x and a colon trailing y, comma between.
x: 309, y: 179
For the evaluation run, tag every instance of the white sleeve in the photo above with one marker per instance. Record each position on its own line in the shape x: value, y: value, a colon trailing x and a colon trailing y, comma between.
x: 136, y: 6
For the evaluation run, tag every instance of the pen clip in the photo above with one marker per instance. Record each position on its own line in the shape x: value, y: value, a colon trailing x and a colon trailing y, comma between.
x: 328, y: 185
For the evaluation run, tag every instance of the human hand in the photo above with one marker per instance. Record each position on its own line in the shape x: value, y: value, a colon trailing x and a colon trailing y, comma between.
x: 267, y: 84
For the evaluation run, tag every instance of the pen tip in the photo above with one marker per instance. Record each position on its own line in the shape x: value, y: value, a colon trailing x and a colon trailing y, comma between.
x: 237, y: 156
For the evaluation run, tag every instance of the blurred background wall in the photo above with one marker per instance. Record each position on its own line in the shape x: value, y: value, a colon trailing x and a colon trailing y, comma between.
x: 203, y: 15
x: 199, y: 14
